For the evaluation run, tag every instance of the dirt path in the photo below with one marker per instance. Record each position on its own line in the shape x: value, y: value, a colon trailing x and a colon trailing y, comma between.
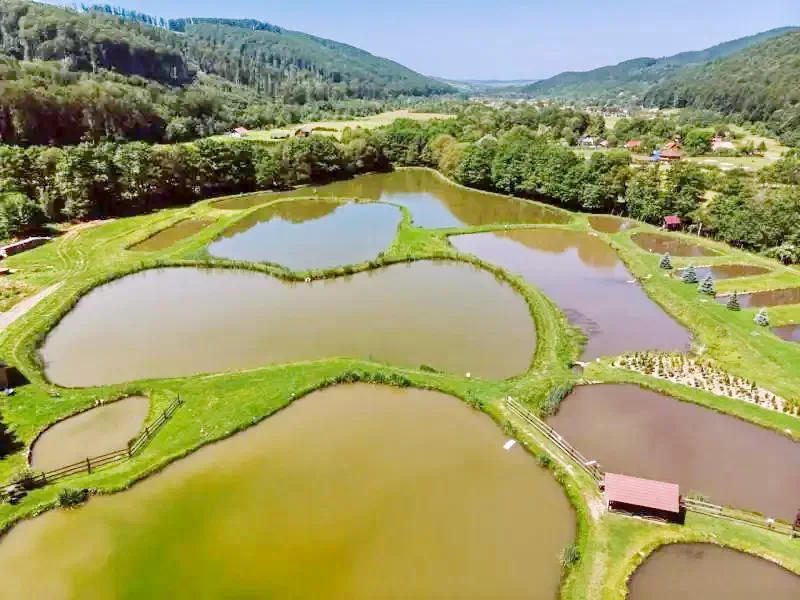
x: 19, y: 309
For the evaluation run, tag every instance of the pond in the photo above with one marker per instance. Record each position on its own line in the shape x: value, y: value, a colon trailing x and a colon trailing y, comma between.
x: 180, y: 321
x: 175, y: 233
x: 92, y: 433
x: 790, y: 333
x: 708, y: 572
x: 645, y: 434
x: 586, y: 278
x: 609, y: 224
x: 768, y: 298
x: 729, y: 271
x: 311, y: 234
x: 352, y: 492
x: 433, y: 201
x: 662, y: 244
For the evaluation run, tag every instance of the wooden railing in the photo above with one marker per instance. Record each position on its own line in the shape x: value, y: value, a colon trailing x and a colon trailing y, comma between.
x: 590, y: 466
x: 90, y: 464
x: 739, y: 515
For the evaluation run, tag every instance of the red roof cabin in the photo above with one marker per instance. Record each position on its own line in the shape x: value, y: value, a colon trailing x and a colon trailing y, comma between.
x: 633, y: 144
x: 643, y: 497
x: 672, y: 222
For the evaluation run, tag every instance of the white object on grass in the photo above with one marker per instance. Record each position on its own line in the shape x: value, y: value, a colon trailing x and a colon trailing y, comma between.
x: 509, y: 444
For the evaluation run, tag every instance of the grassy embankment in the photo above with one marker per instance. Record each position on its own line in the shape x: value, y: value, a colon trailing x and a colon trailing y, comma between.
x: 216, y: 406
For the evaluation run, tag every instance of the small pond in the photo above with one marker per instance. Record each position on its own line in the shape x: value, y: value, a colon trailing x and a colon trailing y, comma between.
x: 166, y: 237
x: 609, y: 224
x: 92, y: 433
x: 769, y: 298
x: 707, y: 572
x: 311, y: 234
x: 645, y: 434
x: 790, y: 333
x: 181, y: 321
x: 729, y: 271
x: 662, y: 244
x: 433, y: 202
x: 586, y: 278
x: 353, y: 492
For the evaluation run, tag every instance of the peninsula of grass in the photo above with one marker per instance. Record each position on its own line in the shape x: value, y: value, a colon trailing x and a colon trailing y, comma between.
x: 608, y: 547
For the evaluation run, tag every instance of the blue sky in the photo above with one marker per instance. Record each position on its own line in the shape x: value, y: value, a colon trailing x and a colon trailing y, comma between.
x: 504, y: 39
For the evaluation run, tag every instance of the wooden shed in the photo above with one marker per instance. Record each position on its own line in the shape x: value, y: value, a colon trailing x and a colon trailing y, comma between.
x: 672, y: 222
x: 644, y: 497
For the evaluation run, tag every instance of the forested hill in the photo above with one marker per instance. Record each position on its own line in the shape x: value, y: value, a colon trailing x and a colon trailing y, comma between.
x: 632, y: 78
x: 761, y: 83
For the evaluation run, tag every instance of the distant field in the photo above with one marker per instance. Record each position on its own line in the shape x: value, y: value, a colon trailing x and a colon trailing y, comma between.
x: 337, y: 127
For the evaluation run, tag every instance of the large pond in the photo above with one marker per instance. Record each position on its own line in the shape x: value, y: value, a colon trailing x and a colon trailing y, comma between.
x: 767, y: 298
x: 642, y: 433
x: 729, y: 271
x: 179, y: 321
x: 433, y: 202
x: 353, y: 492
x: 609, y: 224
x: 707, y: 572
x: 586, y: 278
x: 311, y: 234
x: 662, y: 244
x: 175, y: 233
x: 92, y: 433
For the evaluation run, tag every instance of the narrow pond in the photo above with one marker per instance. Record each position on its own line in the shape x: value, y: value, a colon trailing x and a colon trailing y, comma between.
x: 642, y: 433
x: 175, y: 233
x: 707, y: 572
x: 790, y: 333
x: 311, y: 234
x: 353, y: 492
x: 662, y: 244
x: 91, y: 433
x: 586, y: 278
x: 179, y: 321
x: 767, y: 298
x: 433, y: 202
x: 609, y: 224
x: 729, y: 271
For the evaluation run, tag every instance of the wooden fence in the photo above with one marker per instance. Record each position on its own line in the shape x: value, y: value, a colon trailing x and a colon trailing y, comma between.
x: 590, y: 466
x: 739, y: 515
x: 90, y: 464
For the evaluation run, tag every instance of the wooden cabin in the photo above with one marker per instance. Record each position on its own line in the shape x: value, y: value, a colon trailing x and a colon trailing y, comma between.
x: 22, y: 245
x: 672, y: 222
x: 240, y: 132
x: 302, y: 133
x: 633, y: 145
x: 643, y: 497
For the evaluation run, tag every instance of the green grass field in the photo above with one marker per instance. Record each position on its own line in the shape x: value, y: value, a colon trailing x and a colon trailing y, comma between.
x: 611, y: 546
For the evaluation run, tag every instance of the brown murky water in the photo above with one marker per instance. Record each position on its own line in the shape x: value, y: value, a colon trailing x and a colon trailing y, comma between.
x: 771, y: 298
x: 645, y: 434
x: 352, y: 492
x: 92, y: 433
x: 166, y: 237
x: 790, y: 333
x: 586, y: 278
x: 180, y: 321
x: 707, y: 572
x: 609, y: 224
x: 661, y: 244
x: 729, y: 271
x: 311, y: 234
x: 433, y: 202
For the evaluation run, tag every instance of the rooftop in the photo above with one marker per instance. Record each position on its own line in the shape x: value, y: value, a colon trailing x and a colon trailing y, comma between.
x: 647, y: 493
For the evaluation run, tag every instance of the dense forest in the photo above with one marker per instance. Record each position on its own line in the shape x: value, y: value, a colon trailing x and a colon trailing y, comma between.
x: 760, y: 84
x: 629, y: 80
x: 97, y: 75
x: 510, y: 150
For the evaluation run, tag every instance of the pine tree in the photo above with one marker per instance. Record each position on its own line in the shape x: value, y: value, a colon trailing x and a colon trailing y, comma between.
x: 707, y: 286
x: 690, y: 274
x: 666, y: 262
x: 762, y: 318
x: 733, y: 302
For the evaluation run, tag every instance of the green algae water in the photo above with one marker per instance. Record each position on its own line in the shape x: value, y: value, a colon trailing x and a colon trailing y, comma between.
x: 356, y: 491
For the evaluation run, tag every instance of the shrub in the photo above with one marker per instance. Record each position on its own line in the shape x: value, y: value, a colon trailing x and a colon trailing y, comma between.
x: 690, y: 274
x: 733, y: 302
x: 666, y: 262
x: 72, y: 497
x: 762, y: 318
x: 569, y: 556
x: 27, y: 479
x: 554, y: 398
x: 707, y: 286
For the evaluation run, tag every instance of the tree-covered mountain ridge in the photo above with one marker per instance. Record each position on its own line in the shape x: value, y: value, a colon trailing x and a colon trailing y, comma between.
x: 632, y: 78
